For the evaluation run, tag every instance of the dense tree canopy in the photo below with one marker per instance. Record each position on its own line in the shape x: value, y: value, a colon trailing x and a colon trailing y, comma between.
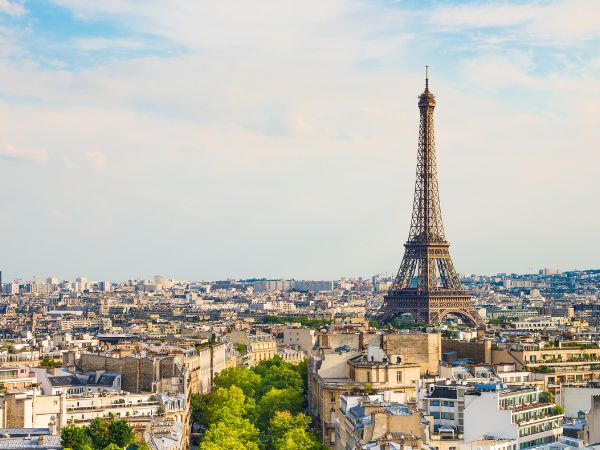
x: 75, y: 437
x: 281, y: 377
x: 258, y: 408
x: 100, y: 434
x: 297, y: 439
x: 236, y: 434
x: 242, y: 377
x: 277, y: 400
x: 287, y: 430
x: 121, y: 433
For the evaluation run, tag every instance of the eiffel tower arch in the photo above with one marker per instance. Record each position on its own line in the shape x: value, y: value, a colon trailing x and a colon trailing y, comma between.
x: 427, y: 285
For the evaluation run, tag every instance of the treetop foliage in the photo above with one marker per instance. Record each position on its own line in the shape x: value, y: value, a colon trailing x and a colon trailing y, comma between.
x: 257, y: 408
x: 100, y: 434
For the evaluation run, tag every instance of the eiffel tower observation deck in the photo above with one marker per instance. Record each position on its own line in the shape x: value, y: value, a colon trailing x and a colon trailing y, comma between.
x: 427, y: 285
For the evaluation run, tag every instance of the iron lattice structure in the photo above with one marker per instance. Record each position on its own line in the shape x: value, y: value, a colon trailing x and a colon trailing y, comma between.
x: 427, y: 285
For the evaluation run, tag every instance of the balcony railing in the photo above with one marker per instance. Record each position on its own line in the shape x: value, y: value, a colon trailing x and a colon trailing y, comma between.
x: 552, y: 414
x: 111, y: 406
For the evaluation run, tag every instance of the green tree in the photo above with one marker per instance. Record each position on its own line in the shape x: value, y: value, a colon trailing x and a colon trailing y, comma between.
x: 546, y: 397
x: 238, y: 434
x: 113, y: 447
x: 241, y: 348
x: 277, y: 400
x: 198, y: 404
x: 75, y: 437
x: 302, y: 369
x: 281, y: 423
x: 50, y: 363
x: 297, y: 439
x: 281, y: 377
x: 99, y: 433
x: 226, y: 404
x: 242, y: 377
x: 263, y: 367
x: 121, y: 433
x: 374, y: 324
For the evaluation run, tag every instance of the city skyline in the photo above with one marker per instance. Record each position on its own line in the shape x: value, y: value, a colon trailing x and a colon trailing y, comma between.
x: 389, y: 276
x: 281, y: 142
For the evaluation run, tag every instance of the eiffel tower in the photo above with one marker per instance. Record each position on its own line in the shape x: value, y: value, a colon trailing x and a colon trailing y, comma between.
x: 427, y: 285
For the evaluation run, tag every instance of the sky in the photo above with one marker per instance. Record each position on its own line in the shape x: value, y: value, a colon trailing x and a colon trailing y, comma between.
x: 203, y: 140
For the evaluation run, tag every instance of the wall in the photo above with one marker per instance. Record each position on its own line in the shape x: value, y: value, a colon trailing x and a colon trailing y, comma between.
x: 304, y: 338
x: 424, y: 349
x: 574, y: 399
x: 137, y: 374
x: 592, y: 429
x: 16, y: 407
x: 483, y: 418
x: 478, y: 352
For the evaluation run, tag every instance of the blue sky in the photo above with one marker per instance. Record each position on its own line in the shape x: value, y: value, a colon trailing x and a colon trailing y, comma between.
x: 210, y: 139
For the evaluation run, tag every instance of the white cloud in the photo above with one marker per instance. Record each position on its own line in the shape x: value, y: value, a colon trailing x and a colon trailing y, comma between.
x: 555, y: 22
x: 11, y: 8
x: 32, y: 155
x: 96, y: 160
x: 293, y: 125
x: 94, y: 44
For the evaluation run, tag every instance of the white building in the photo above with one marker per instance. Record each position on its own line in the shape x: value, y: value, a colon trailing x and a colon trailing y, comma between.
x: 490, y: 443
x: 301, y: 338
x: 511, y: 413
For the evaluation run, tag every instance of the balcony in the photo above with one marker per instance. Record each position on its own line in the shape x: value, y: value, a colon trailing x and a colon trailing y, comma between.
x: 111, y: 406
x: 553, y: 413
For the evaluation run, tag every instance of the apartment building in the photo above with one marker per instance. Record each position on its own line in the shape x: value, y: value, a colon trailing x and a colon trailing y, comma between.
x: 374, y: 420
x: 341, y: 371
x: 13, y: 378
x: 511, y: 413
x: 259, y: 346
x: 301, y: 338
x: 554, y: 365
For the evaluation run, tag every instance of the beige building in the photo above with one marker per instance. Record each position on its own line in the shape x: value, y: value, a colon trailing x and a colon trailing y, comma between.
x: 360, y: 367
x: 373, y: 419
x: 291, y: 355
x: 32, y: 410
x: 424, y: 349
x: 534, y: 355
x: 302, y: 338
x: 551, y: 367
x: 259, y: 346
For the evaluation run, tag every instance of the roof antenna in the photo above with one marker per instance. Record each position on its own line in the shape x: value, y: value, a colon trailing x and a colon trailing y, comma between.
x: 426, y: 78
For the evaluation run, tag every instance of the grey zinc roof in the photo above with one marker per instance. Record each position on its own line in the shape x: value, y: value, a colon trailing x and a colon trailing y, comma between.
x: 49, y: 442
x: 69, y: 380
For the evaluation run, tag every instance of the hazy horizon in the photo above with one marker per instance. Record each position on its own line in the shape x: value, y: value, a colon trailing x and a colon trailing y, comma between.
x: 206, y: 140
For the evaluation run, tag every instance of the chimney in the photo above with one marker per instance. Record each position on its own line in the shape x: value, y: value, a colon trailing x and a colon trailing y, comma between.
x: 361, y: 340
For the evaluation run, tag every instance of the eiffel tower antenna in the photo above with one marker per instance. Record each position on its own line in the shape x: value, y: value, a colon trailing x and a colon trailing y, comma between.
x: 427, y: 285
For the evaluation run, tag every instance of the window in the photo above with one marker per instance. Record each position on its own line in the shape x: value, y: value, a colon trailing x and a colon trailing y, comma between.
x: 448, y: 403
x: 435, y: 403
x: 399, y: 377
